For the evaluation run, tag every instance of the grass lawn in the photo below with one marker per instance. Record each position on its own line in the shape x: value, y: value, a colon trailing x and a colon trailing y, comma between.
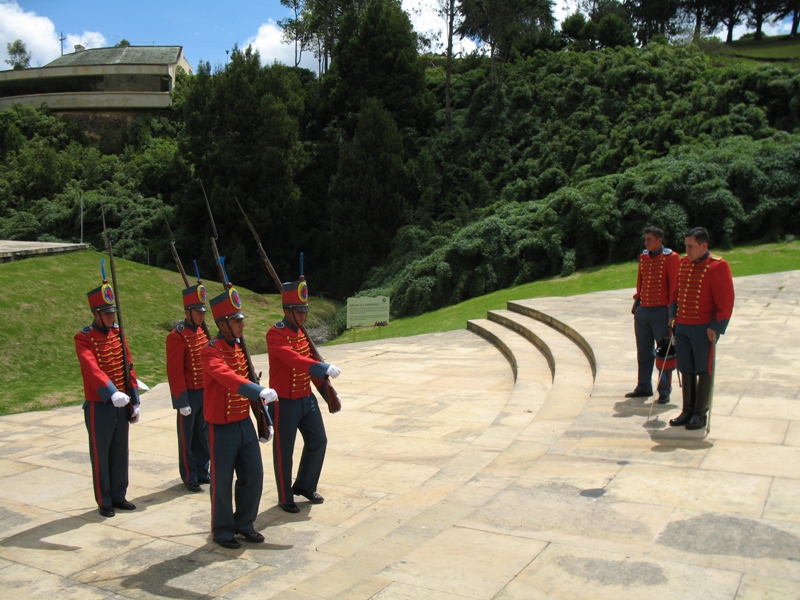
x: 779, y: 47
x: 45, y: 305
x: 744, y: 260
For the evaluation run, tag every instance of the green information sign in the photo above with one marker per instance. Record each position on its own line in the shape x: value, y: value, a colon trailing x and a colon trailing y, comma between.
x: 367, y: 312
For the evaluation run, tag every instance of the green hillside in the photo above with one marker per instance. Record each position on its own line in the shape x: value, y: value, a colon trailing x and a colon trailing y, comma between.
x: 779, y: 48
x: 45, y: 300
x: 744, y: 260
x: 45, y: 305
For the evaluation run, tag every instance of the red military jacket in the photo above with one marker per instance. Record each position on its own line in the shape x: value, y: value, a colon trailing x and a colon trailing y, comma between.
x: 184, y: 366
x: 228, y: 392
x: 292, y: 369
x: 657, y: 280
x: 705, y: 292
x: 100, y: 357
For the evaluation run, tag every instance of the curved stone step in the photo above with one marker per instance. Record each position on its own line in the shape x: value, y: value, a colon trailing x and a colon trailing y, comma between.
x: 572, y: 374
x: 571, y: 333
x: 533, y: 381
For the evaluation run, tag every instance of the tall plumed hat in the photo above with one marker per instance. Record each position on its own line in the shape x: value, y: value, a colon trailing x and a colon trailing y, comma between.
x: 228, y: 305
x: 101, y: 299
x: 195, y: 297
x: 294, y: 295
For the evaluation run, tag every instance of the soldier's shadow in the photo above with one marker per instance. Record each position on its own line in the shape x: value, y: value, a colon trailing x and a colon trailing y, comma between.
x: 640, y: 407
x: 35, y: 537
x: 164, y: 578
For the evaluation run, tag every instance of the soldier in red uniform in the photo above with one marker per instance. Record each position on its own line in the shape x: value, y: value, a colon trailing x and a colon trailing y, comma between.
x: 185, y: 376
x: 656, y: 290
x: 106, y: 411
x: 232, y: 438
x: 704, y: 307
x: 292, y: 369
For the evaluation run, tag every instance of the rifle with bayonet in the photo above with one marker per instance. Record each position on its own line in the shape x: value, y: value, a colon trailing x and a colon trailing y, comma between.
x: 263, y: 420
x: 179, y: 264
x: 127, y: 365
x: 328, y: 392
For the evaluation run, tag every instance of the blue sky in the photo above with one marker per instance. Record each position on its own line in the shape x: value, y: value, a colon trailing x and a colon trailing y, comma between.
x: 205, y: 28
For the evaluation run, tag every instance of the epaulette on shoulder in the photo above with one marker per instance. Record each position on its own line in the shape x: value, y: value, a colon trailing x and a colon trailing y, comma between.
x: 116, y: 326
x: 280, y: 324
x: 87, y: 329
x: 180, y: 327
x: 715, y: 257
x: 645, y: 251
x: 211, y: 341
x: 667, y: 251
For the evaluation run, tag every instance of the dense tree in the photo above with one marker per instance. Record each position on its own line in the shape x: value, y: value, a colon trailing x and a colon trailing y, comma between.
x: 18, y: 55
x: 730, y: 13
x: 242, y: 136
x: 653, y: 17
x: 608, y: 26
x: 377, y: 58
x: 368, y: 197
x: 702, y: 14
x: 790, y: 8
x: 759, y: 11
x: 498, y: 24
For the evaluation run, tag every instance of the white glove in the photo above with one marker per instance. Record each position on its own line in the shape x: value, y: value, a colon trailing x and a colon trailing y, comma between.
x: 333, y: 371
x: 135, y: 415
x: 268, y: 395
x: 270, y: 433
x: 120, y: 399
x: 185, y: 410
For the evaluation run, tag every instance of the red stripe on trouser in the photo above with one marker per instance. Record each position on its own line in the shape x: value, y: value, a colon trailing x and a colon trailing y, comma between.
x: 98, y: 492
x: 710, y: 366
x: 184, y: 449
x: 278, y: 453
x: 213, y: 471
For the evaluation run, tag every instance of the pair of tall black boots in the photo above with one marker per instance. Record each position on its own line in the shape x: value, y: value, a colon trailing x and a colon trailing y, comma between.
x: 698, y: 392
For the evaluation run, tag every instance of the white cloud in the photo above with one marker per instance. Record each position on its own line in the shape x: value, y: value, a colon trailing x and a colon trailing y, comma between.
x: 37, y: 33
x: 87, y: 39
x: 269, y: 43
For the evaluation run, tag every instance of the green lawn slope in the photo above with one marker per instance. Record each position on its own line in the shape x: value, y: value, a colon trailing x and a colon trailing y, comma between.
x: 44, y: 302
x: 744, y: 260
x: 44, y: 305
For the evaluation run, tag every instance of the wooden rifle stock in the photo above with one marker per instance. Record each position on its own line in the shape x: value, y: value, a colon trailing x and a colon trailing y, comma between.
x: 328, y: 392
x: 127, y: 365
x: 263, y: 420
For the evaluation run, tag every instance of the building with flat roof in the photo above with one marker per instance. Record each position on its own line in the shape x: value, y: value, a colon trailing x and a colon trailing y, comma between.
x: 123, y: 78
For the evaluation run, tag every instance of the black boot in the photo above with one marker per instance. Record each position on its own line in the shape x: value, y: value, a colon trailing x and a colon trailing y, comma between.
x: 689, y: 392
x: 705, y: 394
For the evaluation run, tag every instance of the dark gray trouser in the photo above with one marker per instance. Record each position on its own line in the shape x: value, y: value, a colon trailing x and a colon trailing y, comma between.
x: 651, y: 324
x: 193, y: 453
x: 108, y: 428
x: 234, y: 450
x: 289, y: 417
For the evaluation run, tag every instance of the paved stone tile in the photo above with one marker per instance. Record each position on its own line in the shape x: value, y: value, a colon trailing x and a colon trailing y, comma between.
x: 38, y: 486
x: 445, y: 478
x: 164, y: 569
x: 783, y: 500
x: 562, y: 571
x: 711, y: 491
x: 20, y: 582
x: 469, y: 573
x: 754, y: 587
x: 761, y: 547
x: 757, y: 459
